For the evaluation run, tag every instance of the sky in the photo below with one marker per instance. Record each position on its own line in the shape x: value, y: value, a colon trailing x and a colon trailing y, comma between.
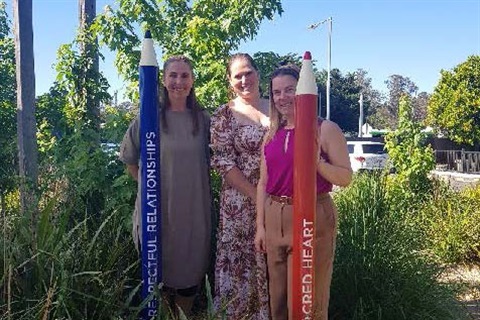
x: 412, y: 38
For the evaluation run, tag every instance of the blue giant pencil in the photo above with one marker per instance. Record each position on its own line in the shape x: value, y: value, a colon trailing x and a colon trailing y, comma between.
x: 150, y: 176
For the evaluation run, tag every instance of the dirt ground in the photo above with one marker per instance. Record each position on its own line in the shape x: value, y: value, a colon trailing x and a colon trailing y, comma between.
x: 469, y: 278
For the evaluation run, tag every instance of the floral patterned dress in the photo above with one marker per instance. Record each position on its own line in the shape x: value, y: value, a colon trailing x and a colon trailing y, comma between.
x: 240, y: 272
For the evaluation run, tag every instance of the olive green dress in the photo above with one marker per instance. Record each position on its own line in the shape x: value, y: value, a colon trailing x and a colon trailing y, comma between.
x: 185, y: 197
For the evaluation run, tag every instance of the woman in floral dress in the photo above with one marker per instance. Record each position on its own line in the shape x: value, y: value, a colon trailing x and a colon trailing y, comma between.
x: 237, y: 131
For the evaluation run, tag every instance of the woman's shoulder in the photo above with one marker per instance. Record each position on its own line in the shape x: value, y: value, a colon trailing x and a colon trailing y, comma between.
x: 205, y: 117
x: 204, y: 113
x: 330, y: 131
x: 135, y: 124
x: 222, y: 112
x: 329, y: 125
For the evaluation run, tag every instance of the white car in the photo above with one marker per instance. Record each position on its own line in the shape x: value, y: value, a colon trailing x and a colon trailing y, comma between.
x: 367, y: 155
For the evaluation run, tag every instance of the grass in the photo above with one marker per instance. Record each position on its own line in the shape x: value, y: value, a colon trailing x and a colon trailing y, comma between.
x: 380, y: 271
x: 82, y: 268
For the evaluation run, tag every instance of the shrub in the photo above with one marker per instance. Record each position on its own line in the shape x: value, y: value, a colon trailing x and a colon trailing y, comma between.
x: 451, y: 223
x: 379, y: 272
x: 411, y: 157
x: 67, y: 269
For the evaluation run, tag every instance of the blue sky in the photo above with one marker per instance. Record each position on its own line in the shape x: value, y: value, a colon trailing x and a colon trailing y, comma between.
x: 413, y: 38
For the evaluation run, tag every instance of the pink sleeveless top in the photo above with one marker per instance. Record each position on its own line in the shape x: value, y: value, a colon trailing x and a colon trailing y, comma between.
x: 280, y: 165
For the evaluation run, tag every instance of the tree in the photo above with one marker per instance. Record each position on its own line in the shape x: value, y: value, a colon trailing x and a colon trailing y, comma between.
x: 8, y: 151
x: 207, y: 31
x: 372, y: 99
x: 26, y: 125
x: 345, y: 93
x: 89, y: 50
x: 267, y: 62
x: 345, y: 89
x: 69, y: 123
x: 387, y: 115
x: 51, y: 121
x: 420, y: 104
x: 408, y: 153
x: 454, y: 107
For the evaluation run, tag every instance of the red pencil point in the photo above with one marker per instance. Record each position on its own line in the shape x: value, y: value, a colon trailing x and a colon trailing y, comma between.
x: 306, y: 82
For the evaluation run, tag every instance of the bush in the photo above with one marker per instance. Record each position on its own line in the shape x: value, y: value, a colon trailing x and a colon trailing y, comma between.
x: 410, y: 156
x: 379, y: 271
x: 66, y: 269
x: 451, y: 222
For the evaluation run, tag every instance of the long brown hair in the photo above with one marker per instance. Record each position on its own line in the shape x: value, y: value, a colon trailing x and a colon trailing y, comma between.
x: 192, y: 102
x: 275, y: 117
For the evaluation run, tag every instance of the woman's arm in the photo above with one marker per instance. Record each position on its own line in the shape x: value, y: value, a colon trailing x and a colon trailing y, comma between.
x: 261, y: 199
x: 224, y: 154
x: 338, y: 170
x: 237, y: 180
x: 130, y: 148
x: 133, y: 170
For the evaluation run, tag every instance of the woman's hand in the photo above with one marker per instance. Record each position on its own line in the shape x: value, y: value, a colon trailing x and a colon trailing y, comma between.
x: 260, y: 239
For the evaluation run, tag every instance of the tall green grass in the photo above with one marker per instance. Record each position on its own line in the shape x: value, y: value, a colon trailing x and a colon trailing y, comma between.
x: 380, y: 271
x: 81, y: 268
x: 75, y: 271
x: 451, y: 223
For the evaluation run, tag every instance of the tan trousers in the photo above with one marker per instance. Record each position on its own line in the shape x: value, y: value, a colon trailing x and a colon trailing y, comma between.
x: 278, y: 227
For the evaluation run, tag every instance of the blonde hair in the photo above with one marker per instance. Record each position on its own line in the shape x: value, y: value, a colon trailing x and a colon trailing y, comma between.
x: 275, y: 117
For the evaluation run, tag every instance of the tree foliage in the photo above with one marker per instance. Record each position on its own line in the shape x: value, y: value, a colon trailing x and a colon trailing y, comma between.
x: 454, y: 108
x: 7, y: 104
x: 345, y: 89
x: 344, y: 105
x: 408, y: 153
x: 51, y: 120
x: 387, y: 115
x: 7, y: 59
x: 345, y: 94
x: 69, y: 129
x: 420, y: 105
x: 267, y: 62
x: 79, y: 80
x: 207, y: 31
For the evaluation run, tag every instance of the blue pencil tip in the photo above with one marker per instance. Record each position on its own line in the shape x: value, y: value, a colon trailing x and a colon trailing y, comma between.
x: 148, y: 35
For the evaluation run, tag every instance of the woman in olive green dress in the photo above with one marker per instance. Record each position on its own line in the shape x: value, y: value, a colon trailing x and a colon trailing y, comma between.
x: 185, y: 189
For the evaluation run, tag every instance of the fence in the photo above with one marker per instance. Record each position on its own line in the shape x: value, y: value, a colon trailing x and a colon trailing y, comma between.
x: 458, y: 160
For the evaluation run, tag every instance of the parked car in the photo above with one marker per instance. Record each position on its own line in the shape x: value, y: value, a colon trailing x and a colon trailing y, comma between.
x: 367, y: 155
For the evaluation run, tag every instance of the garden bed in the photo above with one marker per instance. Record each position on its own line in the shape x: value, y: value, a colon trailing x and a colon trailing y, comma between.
x: 468, y: 277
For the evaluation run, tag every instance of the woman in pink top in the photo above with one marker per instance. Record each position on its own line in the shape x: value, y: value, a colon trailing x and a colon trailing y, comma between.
x: 275, y: 190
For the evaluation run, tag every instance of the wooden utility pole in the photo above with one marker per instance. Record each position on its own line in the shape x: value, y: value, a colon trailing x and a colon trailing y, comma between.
x: 86, y: 15
x: 26, y: 124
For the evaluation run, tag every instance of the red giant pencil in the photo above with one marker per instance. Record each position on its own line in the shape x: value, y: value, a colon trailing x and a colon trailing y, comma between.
x: 304, y: 193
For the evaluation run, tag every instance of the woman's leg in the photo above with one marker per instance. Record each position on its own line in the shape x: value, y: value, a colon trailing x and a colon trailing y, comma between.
x: 184, y: 299
x: 325, y: 236
x: 173, y: 299
x: 278, y: 238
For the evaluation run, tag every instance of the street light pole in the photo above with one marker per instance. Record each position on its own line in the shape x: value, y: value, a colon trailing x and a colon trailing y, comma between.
x: 360, y: 118
x: 329, y: 57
